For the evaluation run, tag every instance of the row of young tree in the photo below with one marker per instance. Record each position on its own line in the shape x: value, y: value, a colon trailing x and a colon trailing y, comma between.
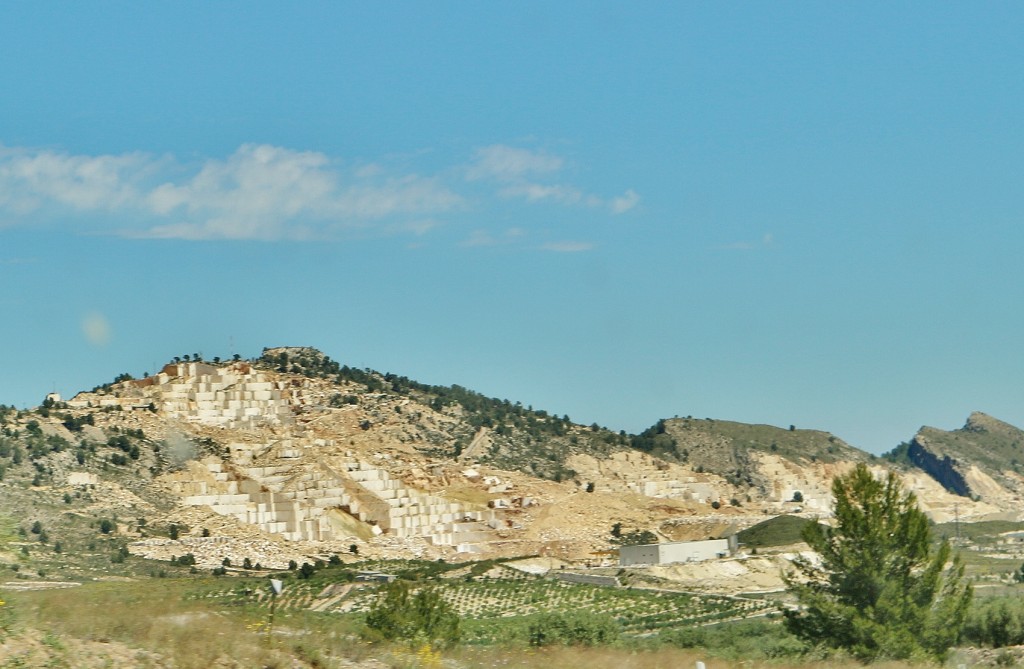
x: 880, y: 588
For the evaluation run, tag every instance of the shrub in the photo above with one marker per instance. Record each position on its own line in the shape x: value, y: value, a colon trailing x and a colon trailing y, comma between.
x: 398, y: 614
x: 575, y: 628
x: 997, y: 622
x: 748, y: 639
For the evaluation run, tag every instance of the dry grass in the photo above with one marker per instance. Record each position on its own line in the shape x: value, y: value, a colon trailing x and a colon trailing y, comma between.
x: 617, y: 658
x: 152, y: 624
x: 152, y: 616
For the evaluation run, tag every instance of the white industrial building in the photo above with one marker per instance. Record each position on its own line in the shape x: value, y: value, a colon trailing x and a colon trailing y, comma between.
x: 677, y: 551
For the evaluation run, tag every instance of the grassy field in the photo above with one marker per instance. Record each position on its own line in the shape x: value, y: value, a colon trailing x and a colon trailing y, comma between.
x: 193, y: 625
x: 777, y: 531
x: 496, y: 606
x: 201, y: 622
x: 125, y: 615
x: 984, y: 532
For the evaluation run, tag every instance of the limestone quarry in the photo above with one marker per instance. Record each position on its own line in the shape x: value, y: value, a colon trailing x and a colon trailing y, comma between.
x: 273, y: 465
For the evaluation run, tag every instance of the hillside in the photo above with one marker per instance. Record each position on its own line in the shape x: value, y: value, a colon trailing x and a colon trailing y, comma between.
x: 498, y: 432
x: 295, y: 457
x: 292, y: 456
x: 763, y: 461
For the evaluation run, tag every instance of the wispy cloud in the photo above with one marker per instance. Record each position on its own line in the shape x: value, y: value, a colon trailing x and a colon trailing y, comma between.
x: 534, y: 175
x: 259, y: 192
x: 30, y: 180
x: 625, y: 202
x: 509, y: 163
x: 486, y: 238
x: 267, y: 192
x: 537, y: 192
x: 767, y: 240
x: 567, y: 247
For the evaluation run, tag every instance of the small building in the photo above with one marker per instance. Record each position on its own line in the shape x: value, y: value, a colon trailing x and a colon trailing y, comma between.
x: 374, y: 577
x: 677, y: 551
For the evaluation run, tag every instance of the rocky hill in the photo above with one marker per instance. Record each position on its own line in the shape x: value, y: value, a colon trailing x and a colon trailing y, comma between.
x: 754, y: 457
x: 293, y: 456
x: 981, y: 460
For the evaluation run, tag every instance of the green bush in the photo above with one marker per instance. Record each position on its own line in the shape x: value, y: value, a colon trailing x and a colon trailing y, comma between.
x: 751, y: 639
x: 575, y: 628
x: 996, y: 622
x: 399, y: 615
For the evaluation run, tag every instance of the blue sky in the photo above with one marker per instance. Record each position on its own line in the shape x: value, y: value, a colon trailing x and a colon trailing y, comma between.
x: 789, y: 213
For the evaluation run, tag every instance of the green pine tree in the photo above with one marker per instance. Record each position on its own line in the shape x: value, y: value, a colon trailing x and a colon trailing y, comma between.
x: 881, y: 588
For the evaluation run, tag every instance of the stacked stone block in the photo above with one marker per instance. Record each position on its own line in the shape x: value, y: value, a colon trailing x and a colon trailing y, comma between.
x: 293, y: 500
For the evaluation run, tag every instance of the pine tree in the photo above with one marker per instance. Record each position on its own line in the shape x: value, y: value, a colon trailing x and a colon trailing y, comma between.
x: 881, y: 589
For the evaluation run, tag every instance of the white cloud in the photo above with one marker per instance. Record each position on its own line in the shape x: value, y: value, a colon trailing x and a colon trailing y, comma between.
x: 567, y: 247
x: 532, y: 176
x: 267, y: 192
x: 30, y: 180
x: 624, y: 202
x: 508, y: 163
x: 259, y: 192
x: 538, y: 192
x: 262, y: 192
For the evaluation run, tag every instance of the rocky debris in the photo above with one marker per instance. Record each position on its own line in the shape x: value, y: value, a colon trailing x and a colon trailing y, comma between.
x: 210, y: 552
x: 39, y: 585
x: 33, y: 648
x: 744, y: 574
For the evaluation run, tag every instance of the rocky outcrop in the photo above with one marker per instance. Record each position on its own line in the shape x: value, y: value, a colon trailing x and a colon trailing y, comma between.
x: 942, y: 468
